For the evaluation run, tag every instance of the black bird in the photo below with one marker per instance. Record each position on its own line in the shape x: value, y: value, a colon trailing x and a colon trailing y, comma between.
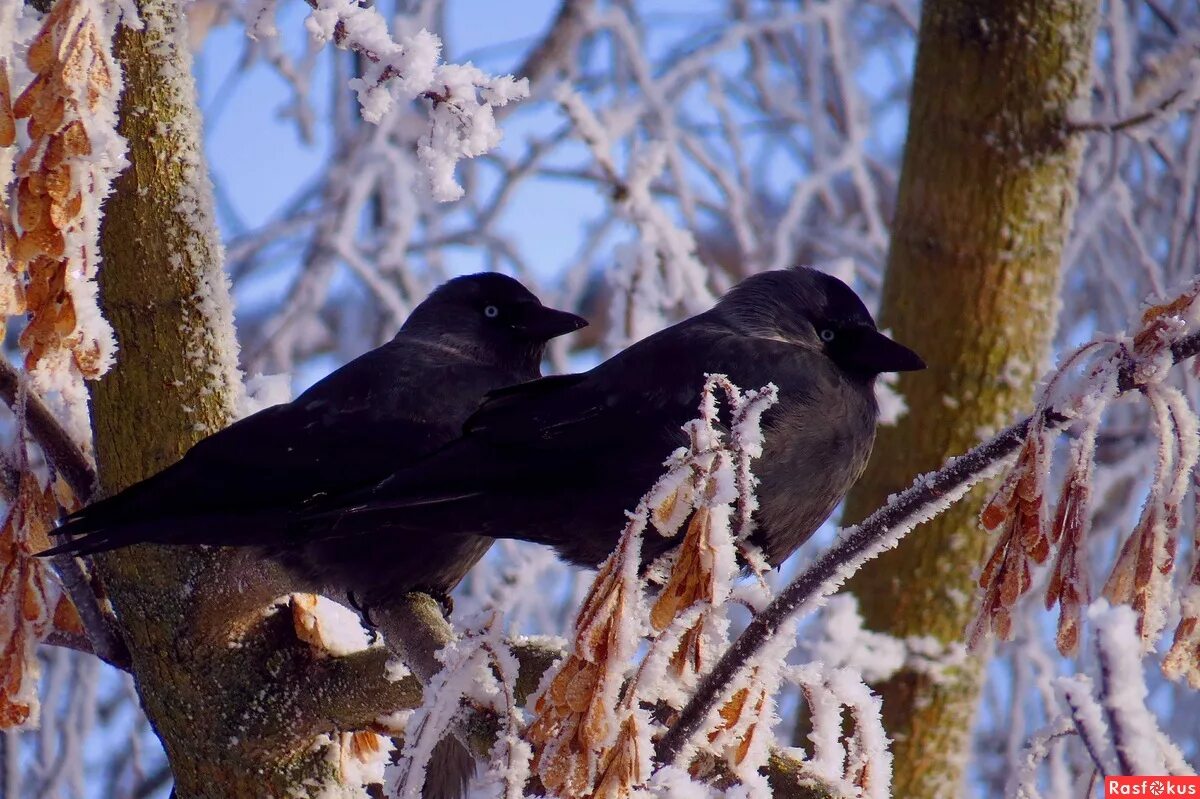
x: 559, y: 460
x: 378, y: 413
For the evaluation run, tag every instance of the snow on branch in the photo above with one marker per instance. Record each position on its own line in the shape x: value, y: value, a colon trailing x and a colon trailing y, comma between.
x: 467, y: 674
x: 1165, y: 335
x: 462, y: 121
x: 660, y: 270
x: 49, y: 228
x: 1106, y: 710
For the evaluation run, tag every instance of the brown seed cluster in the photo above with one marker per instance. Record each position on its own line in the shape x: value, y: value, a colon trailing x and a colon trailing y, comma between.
x: 622, y: 766
x: 1017, y: 510
x: 741, y: 719
x: 1141, y: 576
x: 30, y: 603
x: 571, y: 729
x: 691, y: 580
x: 51, y: 244
x: 1069, y: 577
x: 1182, y: 661
x: 12, y: 288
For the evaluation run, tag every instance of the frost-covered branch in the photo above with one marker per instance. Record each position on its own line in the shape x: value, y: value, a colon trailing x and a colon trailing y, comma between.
x: 1161, y: 112
x: 925, y: 498
x: 1110, y: 713
x: 59, y: 447
x: 76, y: 469
x: 462, y: 97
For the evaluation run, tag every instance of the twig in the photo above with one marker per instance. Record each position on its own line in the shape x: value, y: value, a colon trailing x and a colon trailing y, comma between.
x: 69, y: 461
x: 856, y: 545
x: 1116, y: 726
x: 1116, y: 126
x: 62, y: 452
x: 81, y: 643
x: 106, y: 642
x: 555, y: 47
x: 1092, y: 747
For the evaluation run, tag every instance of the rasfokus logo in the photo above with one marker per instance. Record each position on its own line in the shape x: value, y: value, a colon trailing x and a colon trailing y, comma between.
x: 1151, y: 786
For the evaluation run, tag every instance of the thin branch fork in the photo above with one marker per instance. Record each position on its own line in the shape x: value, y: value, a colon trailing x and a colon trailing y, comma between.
x: 76, y: 469
x: 856, y: 545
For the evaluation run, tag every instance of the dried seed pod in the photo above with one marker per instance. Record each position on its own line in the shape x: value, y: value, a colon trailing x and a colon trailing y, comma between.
x: 8, y: 122
x: 74, y: 87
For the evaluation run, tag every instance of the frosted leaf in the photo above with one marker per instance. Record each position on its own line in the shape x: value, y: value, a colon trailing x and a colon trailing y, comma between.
x: 29, y: 603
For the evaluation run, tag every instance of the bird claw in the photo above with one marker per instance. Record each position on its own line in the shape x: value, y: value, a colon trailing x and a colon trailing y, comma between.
x: 445, y: 600
x: 364, y: 617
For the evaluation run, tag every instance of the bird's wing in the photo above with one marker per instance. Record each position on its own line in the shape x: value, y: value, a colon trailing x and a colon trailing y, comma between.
x: 651, y: 389
x: 378, y: 413
x: 624, y: 416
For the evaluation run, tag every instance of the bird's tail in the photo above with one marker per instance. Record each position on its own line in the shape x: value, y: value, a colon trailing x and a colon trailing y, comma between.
x: 82, y: 533
x: 450, y: 769
x: 90, y: 544
x: 99, y: 531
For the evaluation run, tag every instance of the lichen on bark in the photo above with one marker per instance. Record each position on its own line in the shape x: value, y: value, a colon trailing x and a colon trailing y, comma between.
x: 164, y: 291
x: 987, y: 189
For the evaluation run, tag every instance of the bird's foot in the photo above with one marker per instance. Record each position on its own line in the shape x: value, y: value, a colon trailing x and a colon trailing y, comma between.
x: 445, y: 600
x: 364, y: 617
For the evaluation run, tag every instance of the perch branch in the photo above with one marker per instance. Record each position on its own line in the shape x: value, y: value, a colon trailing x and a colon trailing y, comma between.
x: 856, y: 545
x: 103, y: 635
x: 418, y: 619
x: 350, y: 692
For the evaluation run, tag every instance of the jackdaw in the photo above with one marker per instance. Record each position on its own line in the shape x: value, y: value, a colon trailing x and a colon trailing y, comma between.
x: 380, y: 412
x: 560, y: 460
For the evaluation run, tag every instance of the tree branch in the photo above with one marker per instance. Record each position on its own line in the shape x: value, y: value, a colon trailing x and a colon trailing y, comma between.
x: 60, y: 449
x: 350, y: 692
x: 104, y: 637
x: 76, y: 469
x: 1154, y: 112
x: 856, y: 545
x: 555, y: 47
x: 418, y: 620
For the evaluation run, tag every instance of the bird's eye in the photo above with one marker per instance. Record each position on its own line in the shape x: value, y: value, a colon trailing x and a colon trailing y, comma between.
x: 491, y: 312
x: 827, y: 335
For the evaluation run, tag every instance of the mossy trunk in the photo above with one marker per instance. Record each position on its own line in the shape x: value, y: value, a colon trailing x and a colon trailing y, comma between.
x: 986, y: 194
x: 215, y: 708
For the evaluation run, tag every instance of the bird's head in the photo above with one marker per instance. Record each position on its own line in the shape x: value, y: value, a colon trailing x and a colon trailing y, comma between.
x: 811, y: 309
x: 493, y: 315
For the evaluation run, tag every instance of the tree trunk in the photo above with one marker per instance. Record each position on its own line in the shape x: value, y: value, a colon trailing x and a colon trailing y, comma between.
x: 986, y: 193
x: 220, y: 711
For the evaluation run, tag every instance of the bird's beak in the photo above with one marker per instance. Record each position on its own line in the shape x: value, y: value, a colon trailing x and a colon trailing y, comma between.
x: 875, y: 353
x: 542, y: 323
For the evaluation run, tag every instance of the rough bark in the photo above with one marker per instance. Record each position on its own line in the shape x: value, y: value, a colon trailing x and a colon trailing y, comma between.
x: 221, y: 712
x: 986, y: 194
